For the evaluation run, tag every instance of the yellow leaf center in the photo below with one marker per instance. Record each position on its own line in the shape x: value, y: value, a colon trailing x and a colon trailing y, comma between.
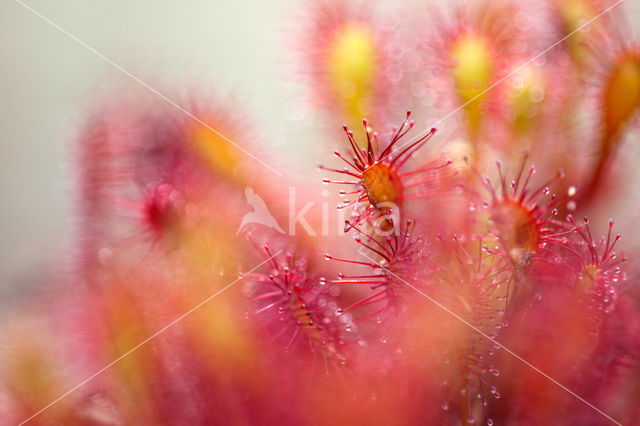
x: 472, y: 75
x: 352, y: 66
x: 382, y: 183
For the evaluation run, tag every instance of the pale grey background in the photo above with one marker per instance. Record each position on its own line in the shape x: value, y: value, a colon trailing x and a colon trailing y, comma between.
x: 46, y: 79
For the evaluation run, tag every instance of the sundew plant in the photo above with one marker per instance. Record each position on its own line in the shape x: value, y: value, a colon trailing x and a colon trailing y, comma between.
x: 450, y: 257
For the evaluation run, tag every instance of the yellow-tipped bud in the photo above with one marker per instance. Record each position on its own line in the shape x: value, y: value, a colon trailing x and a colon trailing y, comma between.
x: 621, y: 97
x: 352, y: 66
x: 573, y: 14
x: 215, y: 150
x: 472, y: 75
x: 526, y: 95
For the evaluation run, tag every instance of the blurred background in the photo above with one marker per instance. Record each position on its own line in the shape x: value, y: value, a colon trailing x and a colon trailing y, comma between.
x: 48, y: 80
